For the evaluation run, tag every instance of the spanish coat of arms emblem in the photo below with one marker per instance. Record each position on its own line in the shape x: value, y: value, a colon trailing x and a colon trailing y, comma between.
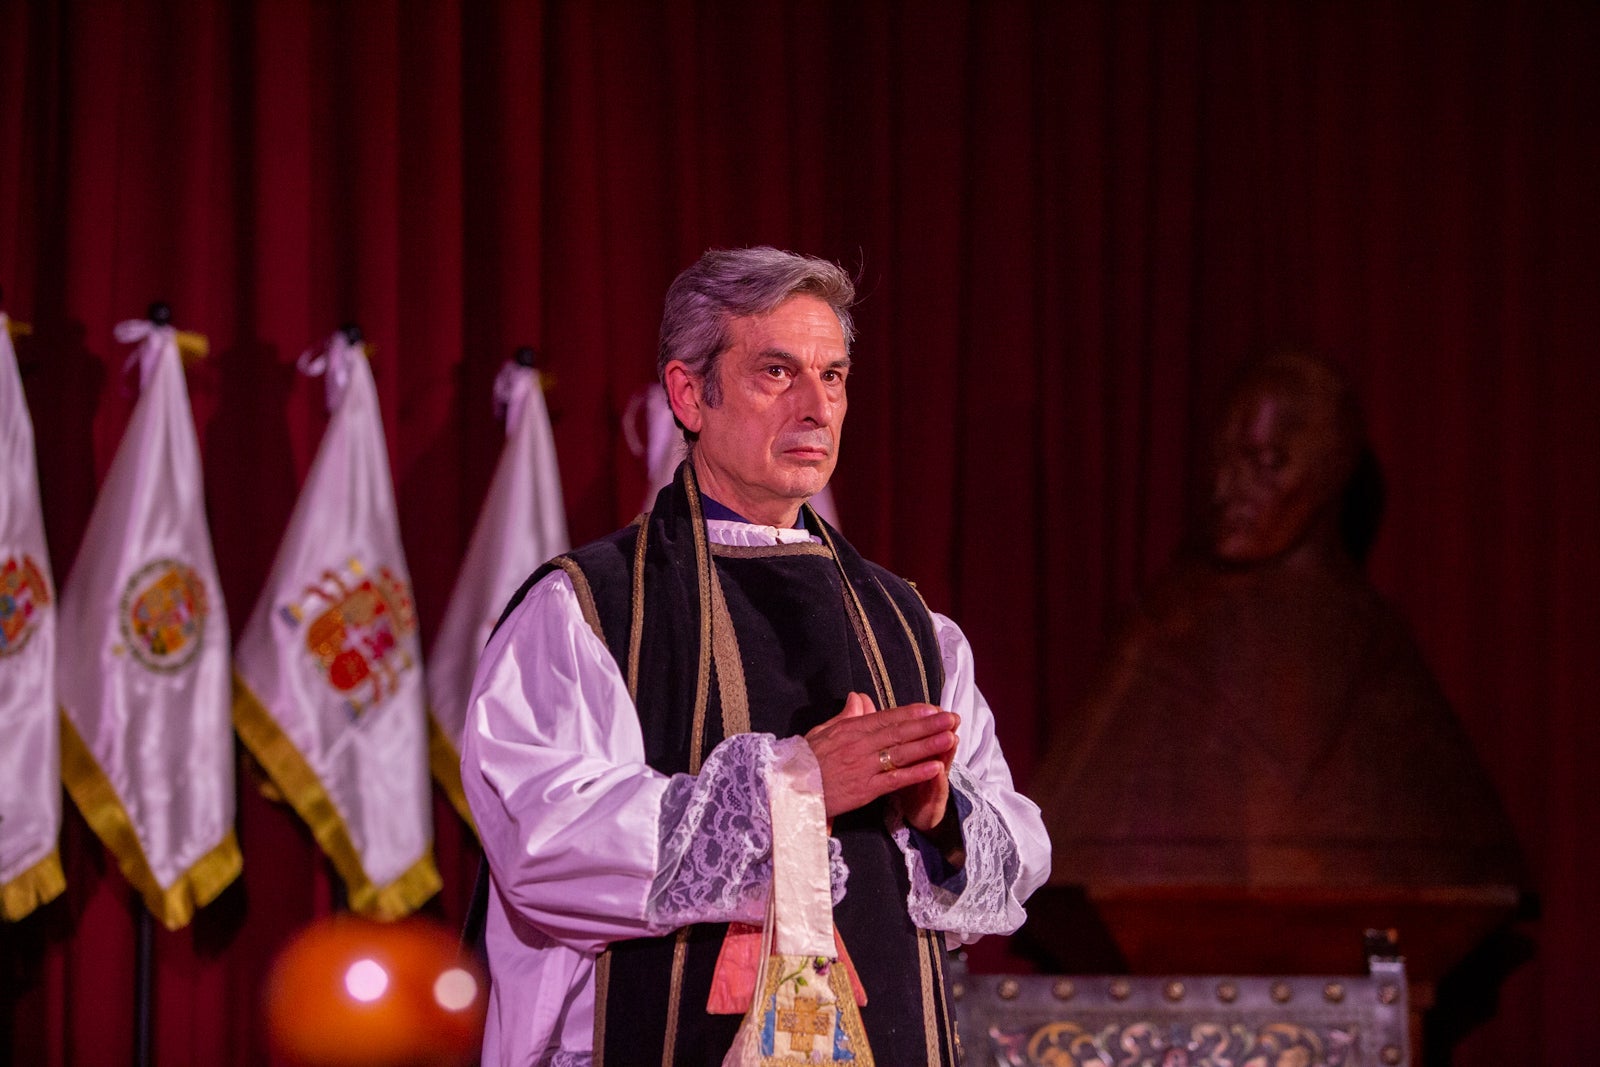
x: 163, y: 615
x: 355, y: 626
x: 24, y: 594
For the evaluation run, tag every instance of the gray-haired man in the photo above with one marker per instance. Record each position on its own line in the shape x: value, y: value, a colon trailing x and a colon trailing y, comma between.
x: 624, y: 716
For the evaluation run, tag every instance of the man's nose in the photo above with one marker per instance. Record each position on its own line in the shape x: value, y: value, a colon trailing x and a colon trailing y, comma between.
x: 817, y: 404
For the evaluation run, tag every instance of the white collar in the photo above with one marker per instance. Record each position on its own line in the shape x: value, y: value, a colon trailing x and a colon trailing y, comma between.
x: 748, y: 534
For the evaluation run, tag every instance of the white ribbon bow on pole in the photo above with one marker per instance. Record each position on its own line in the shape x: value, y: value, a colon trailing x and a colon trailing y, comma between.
x: 153, y: 341
x: 332, y: 361
x: 511, y: 389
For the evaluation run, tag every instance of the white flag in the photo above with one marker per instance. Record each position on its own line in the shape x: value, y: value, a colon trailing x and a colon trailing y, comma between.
x: 329, y: 693
x: 662, y: 448
x: 523, y: 523
x: 30, y: 757
x: 146, y: 747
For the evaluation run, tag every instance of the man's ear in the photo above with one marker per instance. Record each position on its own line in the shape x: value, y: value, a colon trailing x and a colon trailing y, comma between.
x: 685, y: 394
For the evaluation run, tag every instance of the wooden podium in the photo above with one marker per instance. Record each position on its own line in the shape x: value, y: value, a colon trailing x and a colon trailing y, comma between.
x: 1165, y: 929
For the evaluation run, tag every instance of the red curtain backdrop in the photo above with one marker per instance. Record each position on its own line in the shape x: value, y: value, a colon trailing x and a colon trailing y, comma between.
x: 1073, y: 220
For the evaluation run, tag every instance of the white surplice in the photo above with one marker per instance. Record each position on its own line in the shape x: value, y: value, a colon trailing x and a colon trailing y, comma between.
x: 589, y: 845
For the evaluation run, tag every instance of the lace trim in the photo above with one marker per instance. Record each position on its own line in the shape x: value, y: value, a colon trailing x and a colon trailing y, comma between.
x: 987, y: 903
x: 716, y: 841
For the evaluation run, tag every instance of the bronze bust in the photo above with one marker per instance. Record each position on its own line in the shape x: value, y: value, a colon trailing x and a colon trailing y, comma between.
x: 1265, y: 718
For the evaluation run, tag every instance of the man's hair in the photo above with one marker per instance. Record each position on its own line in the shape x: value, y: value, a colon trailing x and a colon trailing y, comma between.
x: 729, y: 283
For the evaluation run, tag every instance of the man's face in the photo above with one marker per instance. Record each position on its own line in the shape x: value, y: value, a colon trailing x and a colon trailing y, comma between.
x: 1276, y: 471
x: 773, y: 440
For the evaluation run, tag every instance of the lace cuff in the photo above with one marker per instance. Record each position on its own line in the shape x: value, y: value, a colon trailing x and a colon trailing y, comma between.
x: 983, y: 902
x: 715, y: 850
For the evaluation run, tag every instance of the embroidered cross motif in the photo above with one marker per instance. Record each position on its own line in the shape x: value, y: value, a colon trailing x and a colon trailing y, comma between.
x: 804, y: 1023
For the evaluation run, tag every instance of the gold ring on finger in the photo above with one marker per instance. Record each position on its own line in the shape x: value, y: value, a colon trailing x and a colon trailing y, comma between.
x: 884, y: 761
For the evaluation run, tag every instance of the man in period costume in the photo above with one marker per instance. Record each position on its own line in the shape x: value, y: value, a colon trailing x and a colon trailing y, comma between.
x: 623, y: 721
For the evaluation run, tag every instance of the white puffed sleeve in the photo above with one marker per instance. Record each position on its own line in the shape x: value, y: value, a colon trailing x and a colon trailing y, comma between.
x: 588, y: 843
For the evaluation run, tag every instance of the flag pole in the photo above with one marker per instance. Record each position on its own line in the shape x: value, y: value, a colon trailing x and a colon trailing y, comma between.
x: 142, y: 1008
x: 159, y: 313
x: 338, y: 900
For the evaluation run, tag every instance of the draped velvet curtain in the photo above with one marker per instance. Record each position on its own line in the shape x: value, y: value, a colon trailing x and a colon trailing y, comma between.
x: 1072, y: 222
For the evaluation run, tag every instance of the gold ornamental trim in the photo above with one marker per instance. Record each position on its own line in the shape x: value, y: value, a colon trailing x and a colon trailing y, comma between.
x: 781, y: 549
x: 930, y: 1022
x: 704, y: 576
x: 729, y: 664
x: 33, y: 888
x: 680, y: 953
x: 103, y: 810
x: 305, y: 793
x: 911, y: 639
x: 864, y: 633
x: 585, y: 595
x: 636, y: 617
x: 952, y: 1040
x: 602, y: 989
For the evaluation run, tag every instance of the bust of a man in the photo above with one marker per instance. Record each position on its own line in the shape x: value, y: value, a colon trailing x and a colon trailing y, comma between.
x: 1265, y: 718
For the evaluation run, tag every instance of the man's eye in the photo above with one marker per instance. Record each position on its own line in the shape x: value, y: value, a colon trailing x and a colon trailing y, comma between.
x: 831, y: 376
x: 777, y: 370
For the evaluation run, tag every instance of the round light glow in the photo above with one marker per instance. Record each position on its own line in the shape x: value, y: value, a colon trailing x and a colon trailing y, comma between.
x: 455, y: 989
x: 366, y: 980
